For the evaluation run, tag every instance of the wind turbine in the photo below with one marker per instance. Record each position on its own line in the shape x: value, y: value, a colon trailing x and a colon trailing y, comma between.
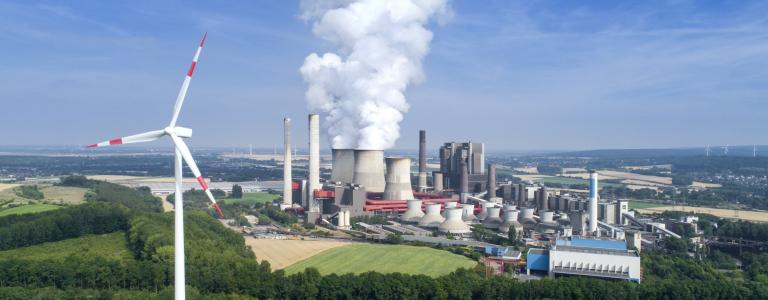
x: 176, y: 133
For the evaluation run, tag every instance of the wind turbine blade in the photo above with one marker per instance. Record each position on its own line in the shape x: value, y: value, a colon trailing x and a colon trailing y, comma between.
x: 187, y: 155
x: 185, y: 84
x: 136, y: 138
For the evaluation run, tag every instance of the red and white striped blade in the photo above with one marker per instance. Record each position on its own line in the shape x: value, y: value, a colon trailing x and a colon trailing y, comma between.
x: 185, y: 84
x: 187, y: 155
x: 136, y: 138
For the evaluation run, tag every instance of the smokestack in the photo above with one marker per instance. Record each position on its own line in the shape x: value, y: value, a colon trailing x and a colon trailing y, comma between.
x: 422, y: 161
x: 464, y: 187
x: 491, y: 181
x: 314, y: 161
x: 522, y: 195
x: 398, y: 180
x: 593, y: 202
x: 437, y: 181
x: 287, y: 177
x: 369, y: 170
x: 543, y: 198
x: 343, y: 166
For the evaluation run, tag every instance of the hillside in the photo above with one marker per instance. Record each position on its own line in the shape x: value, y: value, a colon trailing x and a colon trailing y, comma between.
x: 111, y: 246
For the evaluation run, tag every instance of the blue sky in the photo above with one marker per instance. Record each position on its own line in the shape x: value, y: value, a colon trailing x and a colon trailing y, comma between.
x: 515, y: 75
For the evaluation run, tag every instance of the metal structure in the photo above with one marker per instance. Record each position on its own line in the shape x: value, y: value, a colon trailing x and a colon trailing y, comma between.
x: 176, y: 133
x: 453, y: 221
x: 287, y: 164
x: 398, y: 179
x: 422, y: 184
x: 369, y: 170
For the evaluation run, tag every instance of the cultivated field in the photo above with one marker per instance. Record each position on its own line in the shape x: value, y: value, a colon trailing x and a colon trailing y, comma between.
x: 110, y: 246
x: 6, y: 186
x: 360, y: 258
x: 639, y: 205
x: 529, y: 170
x: 28, y: 209
x: 756, y: 216
x: 283, y: 253
x: 253, y: 198
x: 53, y: 195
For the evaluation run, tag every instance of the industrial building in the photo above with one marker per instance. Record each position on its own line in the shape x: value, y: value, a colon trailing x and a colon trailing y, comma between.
x: 592, y: 257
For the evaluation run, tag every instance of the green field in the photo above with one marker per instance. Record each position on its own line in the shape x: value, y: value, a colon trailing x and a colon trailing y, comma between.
x: 362, y: 258
x: 109, y: 246
x: 52, y: 194
x: 639, y: 204
x: 253, y: 198
x: 28, y: 209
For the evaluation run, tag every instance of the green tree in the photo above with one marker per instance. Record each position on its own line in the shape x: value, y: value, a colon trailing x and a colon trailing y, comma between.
x: 237, y: 191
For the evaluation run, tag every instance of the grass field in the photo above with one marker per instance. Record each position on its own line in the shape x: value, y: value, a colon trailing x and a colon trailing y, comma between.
x: 642, y: 205
x: 253, y: 198
x: 28, y: 209
x: 360, y: 258
x: 110, y: 246
x: 59, y: 194
x: 283, y: 253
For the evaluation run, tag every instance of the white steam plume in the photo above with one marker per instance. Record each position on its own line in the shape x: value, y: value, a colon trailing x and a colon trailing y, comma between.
x: 380, y: 47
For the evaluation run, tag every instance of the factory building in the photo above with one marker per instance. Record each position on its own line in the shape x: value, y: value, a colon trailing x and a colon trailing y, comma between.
x: 581, y: 256
x: 451, y: 157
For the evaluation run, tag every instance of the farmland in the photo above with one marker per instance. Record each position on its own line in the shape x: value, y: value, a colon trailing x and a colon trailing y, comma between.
x: 641, y: 205
x: 110, y: 246
x: 283, y: 253
x: 28, y: 209
x: 361, y: 258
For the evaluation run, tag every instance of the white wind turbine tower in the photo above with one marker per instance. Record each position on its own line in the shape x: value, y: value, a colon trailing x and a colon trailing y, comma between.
x: 707, y: 150
x: 176, y: 133
x: 725, y: 150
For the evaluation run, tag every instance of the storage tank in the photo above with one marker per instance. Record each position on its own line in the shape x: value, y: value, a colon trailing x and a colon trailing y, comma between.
x: 414, y: 213
x: 453, y: 222
x: 369, y: 170
x: 343, y: 165
x: 432, y: 218
x: 398, y: 180
x: 493, y: 221
x: 510, y: 222
x: 469, y: 212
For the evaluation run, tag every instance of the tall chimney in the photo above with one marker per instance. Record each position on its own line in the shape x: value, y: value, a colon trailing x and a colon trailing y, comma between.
x: 522, y: 195
x: 398, y: 180
x: 287, y: 164
x: 422, y: 161
x: 437, y: 181
x: 593, y: 202
x: 314, y: 161
x: 543, y: 198
x: 343, y: 166
x: 491, y: 181
x: 464, y: 186
x: 369, y: 170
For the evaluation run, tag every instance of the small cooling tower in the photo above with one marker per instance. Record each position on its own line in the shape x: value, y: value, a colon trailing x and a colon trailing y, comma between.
x: 510, y: 221
x: 432, y: 218
x: 414, y: 213
x: 369, y: 170
x: 526, y: 216
x: 453, y: 222
x: 448, y: 205
x: 398, y: 182
x: 483, y: 210
x: 510, y: 207
x: 493, y: 220
x: 469, y: 212
x: 343, y: 166
x: 547, y: 223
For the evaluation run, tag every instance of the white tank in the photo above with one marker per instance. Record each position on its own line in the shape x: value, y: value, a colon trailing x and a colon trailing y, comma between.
x: 483, y: 210
x: 432, y: 218
x: 493, y: 221
x: 510, y: 221
x: 343, y: 165
x: 398, y: 180
x: 437, y: 181
x: 469, y: 212
x: 453, y: 222
x: 369, y: 170
x: 414, y: 213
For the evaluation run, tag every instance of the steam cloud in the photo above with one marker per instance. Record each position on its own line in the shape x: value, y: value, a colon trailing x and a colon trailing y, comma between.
x: 380, y: 47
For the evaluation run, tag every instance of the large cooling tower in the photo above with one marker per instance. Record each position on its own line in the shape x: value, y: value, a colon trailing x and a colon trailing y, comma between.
x: 398, y: 181
x: 510, y: 219
x: 432, y: 218
x: 287, y: 165
x: 593, y: 202
x: 422, y: 161
x: 469, y: 212
x: 491, y: 181
x: 369, y: 170
x: 437, y: 181
x: 343, y: 168
x: 453, y: 222
x: 414, y: 213
x: 493, y: 221
x: 314, y: 161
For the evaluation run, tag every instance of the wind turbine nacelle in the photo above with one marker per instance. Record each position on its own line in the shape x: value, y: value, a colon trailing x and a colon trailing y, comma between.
x: 183, y: 132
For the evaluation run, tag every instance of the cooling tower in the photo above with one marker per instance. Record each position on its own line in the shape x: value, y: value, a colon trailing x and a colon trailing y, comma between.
x: 469, y: 213
x: 510, y: 219
x: 414, y: 213
x: 464, y: 186
x: 369, y: 170
x: 437, y: 181
x: 432, y: 218
x: 547, y: 223
x: 422, y: 161
x: 491, y: 181
x: 314, y: 161
x: 453, y: 222
x: 398, y: 181
x: 526, y: 216
x: 448, y: 205
x: 509, y: 207
x: 493, y: 221
x: 343, y: 166
x: 593, y: 202
x: 483, y: 210
x: 287, y: 164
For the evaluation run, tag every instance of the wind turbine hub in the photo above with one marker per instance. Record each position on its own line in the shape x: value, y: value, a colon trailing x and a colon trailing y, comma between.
x: 183, y: 132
